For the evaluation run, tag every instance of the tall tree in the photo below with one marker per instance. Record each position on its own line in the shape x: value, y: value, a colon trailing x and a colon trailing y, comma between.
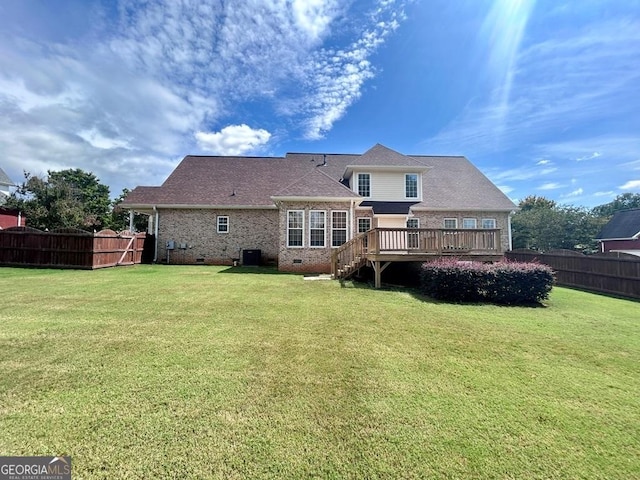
x: 624, y: 201
x: 68, y: 198
x: 542, y: 224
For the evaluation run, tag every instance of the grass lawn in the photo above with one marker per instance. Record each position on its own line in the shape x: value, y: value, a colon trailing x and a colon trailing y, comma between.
x: 213, y: 372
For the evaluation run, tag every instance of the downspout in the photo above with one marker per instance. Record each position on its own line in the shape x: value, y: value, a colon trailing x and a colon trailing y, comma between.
x: 351, y: 220
x: 509, y: 226
x: 155, y: 226
x: 19, y: 218
x: 131, y: 220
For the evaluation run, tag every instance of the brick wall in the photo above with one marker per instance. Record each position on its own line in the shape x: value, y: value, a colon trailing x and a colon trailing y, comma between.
x: 308, y: 259
x: 266, y: 230
x: 248, y: 230
x: 435, y: 219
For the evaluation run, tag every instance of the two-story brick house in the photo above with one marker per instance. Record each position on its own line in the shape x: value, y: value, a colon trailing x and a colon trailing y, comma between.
x: 298, y: 209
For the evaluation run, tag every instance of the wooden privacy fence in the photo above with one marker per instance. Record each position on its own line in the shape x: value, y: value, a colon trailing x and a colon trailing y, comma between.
x: 69, y: 248
x: 611, y: 273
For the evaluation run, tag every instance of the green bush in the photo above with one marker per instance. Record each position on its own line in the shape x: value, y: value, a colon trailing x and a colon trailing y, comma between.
x: 510, y: 283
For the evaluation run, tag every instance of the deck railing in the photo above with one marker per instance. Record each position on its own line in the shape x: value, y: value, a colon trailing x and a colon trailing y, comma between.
x: 439, y: 241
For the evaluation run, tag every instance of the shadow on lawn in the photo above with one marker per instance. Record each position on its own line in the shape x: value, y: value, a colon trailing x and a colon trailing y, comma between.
x: 255, y: 270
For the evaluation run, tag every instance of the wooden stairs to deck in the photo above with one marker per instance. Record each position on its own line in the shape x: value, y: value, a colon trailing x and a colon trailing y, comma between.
x: 350, y: 257
x: 351, y: 268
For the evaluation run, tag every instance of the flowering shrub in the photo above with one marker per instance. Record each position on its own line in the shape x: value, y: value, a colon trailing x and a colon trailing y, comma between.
x: 511, y: 283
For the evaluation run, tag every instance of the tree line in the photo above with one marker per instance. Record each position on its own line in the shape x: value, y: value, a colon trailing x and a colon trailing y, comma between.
x: 75, y: 198
x: 542, y: 224
x: 70, y: 198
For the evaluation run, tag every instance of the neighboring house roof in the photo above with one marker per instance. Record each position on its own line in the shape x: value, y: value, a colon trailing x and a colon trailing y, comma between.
x: 5, y: 183
x: 624, y: 225
x: 450, y: 183
x: 4, y: 179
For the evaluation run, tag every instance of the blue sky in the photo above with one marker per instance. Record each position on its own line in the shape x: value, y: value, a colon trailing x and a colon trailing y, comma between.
x: 543, y: 96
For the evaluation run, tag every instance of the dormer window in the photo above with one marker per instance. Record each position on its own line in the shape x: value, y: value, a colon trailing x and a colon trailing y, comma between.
x: 364, y: 184
x: 411, y: 185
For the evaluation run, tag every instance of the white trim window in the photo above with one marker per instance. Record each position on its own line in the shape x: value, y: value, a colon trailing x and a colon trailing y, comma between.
x: 338, y: 227
x: 488, y: 223
x: 411, y: 185
x: 450, y: 223
x: 317, y: 228
x: 413, y: 238
x: 469, y: 223
x: 364, y: 224
x: 364, y: 184
x: 295, y: 228
x: 222, y: 224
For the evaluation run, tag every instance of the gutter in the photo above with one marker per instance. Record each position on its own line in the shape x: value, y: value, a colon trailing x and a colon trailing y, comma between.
x: 463, y: 209
x: 155, y: 227
x: 141, y: 206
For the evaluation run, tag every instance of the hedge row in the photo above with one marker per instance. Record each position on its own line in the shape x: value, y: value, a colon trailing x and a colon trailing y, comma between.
x: 510, y: 283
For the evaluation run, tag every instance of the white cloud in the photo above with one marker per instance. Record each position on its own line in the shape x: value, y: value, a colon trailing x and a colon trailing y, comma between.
x: 631, y: 185
x: 589, y: 157
x: 610, y: 193
x: 125, y: 98
x: 232, y: 140
x: 519, y: 174
x: 634, y: 164
x: 549, y: 186
x: 543, y: 162
x: 576, y: 193
x: 335, y: 77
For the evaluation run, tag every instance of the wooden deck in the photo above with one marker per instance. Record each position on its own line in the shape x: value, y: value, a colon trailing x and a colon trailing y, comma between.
x: 380, y: 247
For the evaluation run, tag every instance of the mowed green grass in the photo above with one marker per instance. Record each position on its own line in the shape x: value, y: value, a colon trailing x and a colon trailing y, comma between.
x: 214, y: 372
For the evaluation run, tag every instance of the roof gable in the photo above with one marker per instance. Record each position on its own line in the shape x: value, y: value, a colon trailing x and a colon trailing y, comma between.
x: 623, y: 225
x: 381, y: 156
x: 316, y: 184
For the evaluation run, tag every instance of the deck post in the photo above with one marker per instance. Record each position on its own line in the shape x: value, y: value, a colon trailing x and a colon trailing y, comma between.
x: 378, y: 268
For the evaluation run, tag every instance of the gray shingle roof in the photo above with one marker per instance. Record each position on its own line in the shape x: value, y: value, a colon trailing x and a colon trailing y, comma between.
x: 455, y: 183
x: 623, y: 225
x: 451, y: 183
x: 379, y: 155
x: 4, y: 179
x: 316, y: 183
